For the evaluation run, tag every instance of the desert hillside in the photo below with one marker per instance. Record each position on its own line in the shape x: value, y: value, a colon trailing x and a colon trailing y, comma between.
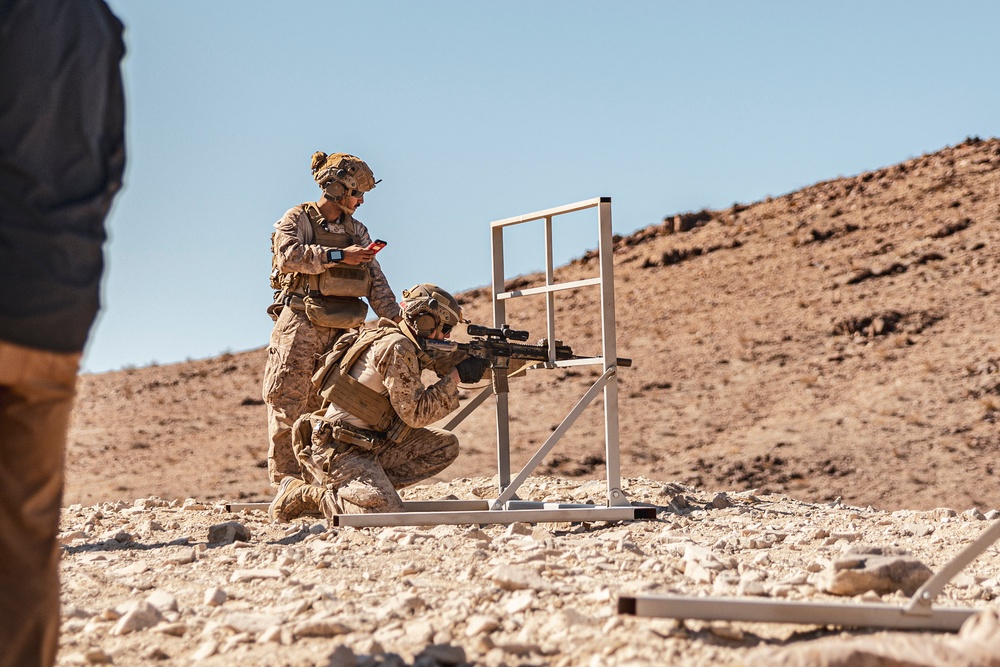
x: 837, y: 341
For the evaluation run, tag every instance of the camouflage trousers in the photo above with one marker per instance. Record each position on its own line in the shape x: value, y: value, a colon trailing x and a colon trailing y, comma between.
x: 365, y: 482
x: 36, y: 397
x: 292, y: 356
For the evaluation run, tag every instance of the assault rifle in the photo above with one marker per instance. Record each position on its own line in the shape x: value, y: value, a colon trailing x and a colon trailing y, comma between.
x: 496, y: 346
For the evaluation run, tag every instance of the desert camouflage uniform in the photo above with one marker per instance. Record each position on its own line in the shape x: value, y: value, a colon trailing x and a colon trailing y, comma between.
x: 366, y: 481
x: 296, y: 343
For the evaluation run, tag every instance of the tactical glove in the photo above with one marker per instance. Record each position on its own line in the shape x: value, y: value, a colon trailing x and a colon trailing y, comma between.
x: 442, y: 362
x: 471, y: 370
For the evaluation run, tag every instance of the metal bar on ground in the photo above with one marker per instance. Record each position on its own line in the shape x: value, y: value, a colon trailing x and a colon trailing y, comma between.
x: 570, y: 515
x: 918, y: 614
x: 932, y: 587
x: 409, y: 505
x: 783, y: 611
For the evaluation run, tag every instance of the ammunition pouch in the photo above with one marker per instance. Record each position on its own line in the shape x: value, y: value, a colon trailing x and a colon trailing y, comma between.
x: 345, y: 436
x: 343, y: 280
x: 397, y: 430
x: 284, y: 300
x: 334, y: 312
x: 342, y: 434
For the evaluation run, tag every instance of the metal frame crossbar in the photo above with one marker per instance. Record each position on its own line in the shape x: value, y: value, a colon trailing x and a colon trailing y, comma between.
x: 918, y: 614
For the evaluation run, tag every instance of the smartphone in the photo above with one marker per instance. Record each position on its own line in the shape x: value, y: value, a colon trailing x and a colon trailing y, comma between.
x: 377, y: 245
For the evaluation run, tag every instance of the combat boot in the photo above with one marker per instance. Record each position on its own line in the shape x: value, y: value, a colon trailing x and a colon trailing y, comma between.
x: 293, y: 499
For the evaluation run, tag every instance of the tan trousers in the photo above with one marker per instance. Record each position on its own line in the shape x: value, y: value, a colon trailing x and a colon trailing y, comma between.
x: 294, y: 351
x: 36, y: 397
x: 366, y: 484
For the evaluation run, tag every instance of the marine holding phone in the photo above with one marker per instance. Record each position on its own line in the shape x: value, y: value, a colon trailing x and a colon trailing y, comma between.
x: 323, y: 266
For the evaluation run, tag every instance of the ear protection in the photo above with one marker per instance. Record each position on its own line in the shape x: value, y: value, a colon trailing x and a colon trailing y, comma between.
x: 334, y: 190
x: 418, y: 315
x: 425, y: 324
x: 341, y: 183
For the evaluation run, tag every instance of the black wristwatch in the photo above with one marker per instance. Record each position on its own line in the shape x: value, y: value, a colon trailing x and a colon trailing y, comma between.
x: 335, y: 255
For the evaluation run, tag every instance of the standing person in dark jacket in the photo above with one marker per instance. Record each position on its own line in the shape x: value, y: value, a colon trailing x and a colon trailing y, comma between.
x: 61, y: 161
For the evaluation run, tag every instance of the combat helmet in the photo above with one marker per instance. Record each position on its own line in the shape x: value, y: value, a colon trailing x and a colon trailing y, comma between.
x: 427, y: 308
x: 341, y: 174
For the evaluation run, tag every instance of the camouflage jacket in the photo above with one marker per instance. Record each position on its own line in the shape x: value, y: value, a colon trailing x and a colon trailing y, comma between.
x: 391, y: 367
x: 296, y: 252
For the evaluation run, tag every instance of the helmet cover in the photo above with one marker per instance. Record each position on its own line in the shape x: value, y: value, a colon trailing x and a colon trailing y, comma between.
x: 348, y: 170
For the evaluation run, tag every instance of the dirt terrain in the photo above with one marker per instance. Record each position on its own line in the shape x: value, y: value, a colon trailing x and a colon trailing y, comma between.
x: 152, y: 582
x: 837, y: 341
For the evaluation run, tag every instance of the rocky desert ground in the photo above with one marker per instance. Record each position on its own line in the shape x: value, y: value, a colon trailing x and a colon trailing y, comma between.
x: 826, y: 360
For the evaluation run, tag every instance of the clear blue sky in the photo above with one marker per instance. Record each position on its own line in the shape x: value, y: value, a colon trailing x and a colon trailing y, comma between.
x: 476, y: 111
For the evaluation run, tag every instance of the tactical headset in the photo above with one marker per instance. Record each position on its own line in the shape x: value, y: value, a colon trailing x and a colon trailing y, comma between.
x: 429, y: 310
x: 343, y: 176
x: 338, y: 186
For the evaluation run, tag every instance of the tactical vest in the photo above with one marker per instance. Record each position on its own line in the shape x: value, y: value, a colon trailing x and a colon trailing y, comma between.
x: 337, y: 280
x: 337, y: 387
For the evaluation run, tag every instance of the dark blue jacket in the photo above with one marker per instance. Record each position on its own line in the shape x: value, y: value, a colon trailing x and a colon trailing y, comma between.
x: 62, y: 154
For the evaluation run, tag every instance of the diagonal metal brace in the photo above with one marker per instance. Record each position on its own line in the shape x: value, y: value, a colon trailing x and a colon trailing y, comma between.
x: 551, y: 441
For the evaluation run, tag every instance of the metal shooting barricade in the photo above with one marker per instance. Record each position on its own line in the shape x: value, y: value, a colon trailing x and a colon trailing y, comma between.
x: 507, y: 508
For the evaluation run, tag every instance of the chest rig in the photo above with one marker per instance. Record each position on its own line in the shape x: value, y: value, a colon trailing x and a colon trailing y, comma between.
x: 337, y: 387
x: 337, y: 280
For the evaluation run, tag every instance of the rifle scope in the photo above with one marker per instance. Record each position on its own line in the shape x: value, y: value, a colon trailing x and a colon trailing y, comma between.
x: 504, y: 332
